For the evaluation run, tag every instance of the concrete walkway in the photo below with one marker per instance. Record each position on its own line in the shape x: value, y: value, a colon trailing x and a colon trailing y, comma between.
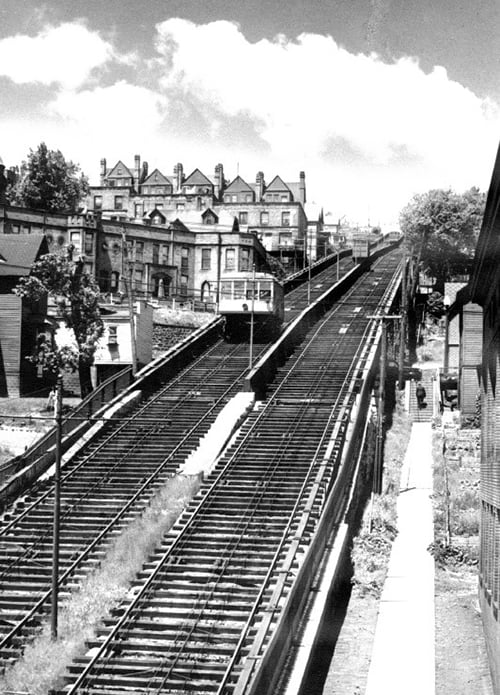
x: 403, y: 651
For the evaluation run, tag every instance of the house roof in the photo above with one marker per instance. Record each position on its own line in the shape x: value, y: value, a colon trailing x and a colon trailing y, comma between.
x: 197, y: 178
x: 114, y: 171
x: 156, y: 178
x: 277, y: 184
x: 19, y: 251
x: 237, y: 185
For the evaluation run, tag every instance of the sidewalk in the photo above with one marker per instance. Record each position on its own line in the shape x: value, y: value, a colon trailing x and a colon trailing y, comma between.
x: 403, y: 651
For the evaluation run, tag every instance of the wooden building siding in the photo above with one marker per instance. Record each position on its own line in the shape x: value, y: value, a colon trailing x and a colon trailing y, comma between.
x: 471, y: 343
x: 469, y: 390
x: 10, y: 344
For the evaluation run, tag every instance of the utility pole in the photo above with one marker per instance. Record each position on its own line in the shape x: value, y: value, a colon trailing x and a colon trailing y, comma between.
x: 57, y: 509
x: 129, y: 291
x: 252, y: 309
x: 402, y: 325
x: 309, y: 269
x: 379, y: 442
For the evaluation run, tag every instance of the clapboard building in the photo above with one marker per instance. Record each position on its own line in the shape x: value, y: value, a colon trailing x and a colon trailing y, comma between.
x: 484, y: 290
x: 22, y: 324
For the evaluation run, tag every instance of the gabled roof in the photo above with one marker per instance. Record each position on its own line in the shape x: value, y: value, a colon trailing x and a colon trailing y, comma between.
x: 238, y: 185
x: 156, y: 178
x: 153, y: 213
x: 277, y: 184
x: 197, y: 178
x: 20, y: 251
x: 113, y: 173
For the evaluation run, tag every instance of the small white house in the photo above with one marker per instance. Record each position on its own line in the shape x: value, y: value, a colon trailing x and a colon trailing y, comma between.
x: 114, y: 349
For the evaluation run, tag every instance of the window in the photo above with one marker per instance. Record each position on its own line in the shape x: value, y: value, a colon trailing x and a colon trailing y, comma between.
x: 112, y: 335
x: 119, y: 172
x: 138, y: 278
x: 226, y: 290
x: 243, y: 217
x: 285, y: 219
x: 184, y: 284
x: 179, y: 206
x: 26, y: 229
x: 184, y: 258
x: 75, y: 239
x: 138, y: 210
x: 264, y: 217
x: 157, y: 219
x: 112, y: 183
x: 285, y: 198
x: 234, y: 198
x: 115, y: 281
x: 156, y: 254
x: 245, y: 259
x: 98, y: 202
x: 248, y: 198
x: 285, y: 239
x: 227, y: 198
x: 164, y: 254
x: 118, y: 202
x: 139, y: 251
x: 230, y: 259
x: 89, y: 243
x: 239, y: 289
x: 15, y: 229
x: 87, y: 268
x: 205, y: 259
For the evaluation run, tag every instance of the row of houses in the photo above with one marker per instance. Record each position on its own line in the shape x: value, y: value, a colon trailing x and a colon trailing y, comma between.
x: 275, y: 211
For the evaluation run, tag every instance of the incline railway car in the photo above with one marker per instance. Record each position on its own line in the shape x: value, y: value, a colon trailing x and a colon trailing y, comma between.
x: 246, y: 294
x: 360, y: 246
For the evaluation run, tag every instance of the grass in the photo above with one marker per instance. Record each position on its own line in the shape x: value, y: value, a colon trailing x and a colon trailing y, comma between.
x: 372, y: 547
x: 44, y: 661
x: 456, y: 497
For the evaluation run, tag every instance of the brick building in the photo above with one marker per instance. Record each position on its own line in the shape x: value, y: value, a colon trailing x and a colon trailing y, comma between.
x: 163, y: 258
x: 273, y: 211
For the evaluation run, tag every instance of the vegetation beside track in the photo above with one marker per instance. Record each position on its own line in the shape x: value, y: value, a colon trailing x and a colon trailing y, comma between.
x: 372, y: 546
x: 44, y: 661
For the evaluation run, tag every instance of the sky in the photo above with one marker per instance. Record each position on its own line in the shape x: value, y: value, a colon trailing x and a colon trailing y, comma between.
x: 376, y: 100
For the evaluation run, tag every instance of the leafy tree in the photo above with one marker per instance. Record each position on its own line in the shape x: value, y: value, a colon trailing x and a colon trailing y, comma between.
x: 442, y: 228
x: 76, y: 295
x: 47, y: 181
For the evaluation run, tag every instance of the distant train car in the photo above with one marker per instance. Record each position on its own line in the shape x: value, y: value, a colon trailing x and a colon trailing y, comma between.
x: 242, y: 295
x: 360, y: 247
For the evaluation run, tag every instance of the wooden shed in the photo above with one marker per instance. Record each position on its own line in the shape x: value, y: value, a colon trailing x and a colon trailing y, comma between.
x: 21, y: 323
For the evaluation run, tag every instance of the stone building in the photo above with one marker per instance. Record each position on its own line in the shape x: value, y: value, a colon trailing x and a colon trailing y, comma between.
x: 274, y: 211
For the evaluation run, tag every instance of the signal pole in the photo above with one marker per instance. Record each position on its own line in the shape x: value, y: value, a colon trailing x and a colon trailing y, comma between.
x: 57, y: 510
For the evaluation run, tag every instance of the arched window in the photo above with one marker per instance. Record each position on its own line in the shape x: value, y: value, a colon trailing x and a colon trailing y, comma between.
x: 205, y: 292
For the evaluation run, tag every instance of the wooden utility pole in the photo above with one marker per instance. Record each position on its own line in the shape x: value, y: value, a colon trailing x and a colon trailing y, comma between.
x: 252, y: 310
x: 402, y: 325
x: 57, y: 510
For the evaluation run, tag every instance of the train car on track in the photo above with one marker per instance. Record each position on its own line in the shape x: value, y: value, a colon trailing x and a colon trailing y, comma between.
x: 247, y: 295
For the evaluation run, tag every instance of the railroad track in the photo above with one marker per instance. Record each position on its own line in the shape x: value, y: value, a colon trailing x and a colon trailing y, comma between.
x: 112, y: 480
x: 212, y: 595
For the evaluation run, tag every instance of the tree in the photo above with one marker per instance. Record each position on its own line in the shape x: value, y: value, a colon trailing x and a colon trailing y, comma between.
x: 76, y: 295
x: 47, y: 181
x: 442, y: 228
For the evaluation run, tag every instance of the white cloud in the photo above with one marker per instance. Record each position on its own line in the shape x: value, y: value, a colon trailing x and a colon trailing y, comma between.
x: 65, y: 55
x: 368, y: 134
x: 314, y: 101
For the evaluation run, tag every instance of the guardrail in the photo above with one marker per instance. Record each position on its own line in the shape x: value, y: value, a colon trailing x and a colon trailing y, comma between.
x: 290, y: 282
x: 19, y: 473
x: 104, y: 393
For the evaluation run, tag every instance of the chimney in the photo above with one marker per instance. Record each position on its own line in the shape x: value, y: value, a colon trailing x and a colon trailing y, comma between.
x: 219, y: 181
x: 302, y: 188
x: 259, y: 180
x: 179, y: 175
x: 137, y: 170
x: 103, y: 171
x: 144, y: 174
